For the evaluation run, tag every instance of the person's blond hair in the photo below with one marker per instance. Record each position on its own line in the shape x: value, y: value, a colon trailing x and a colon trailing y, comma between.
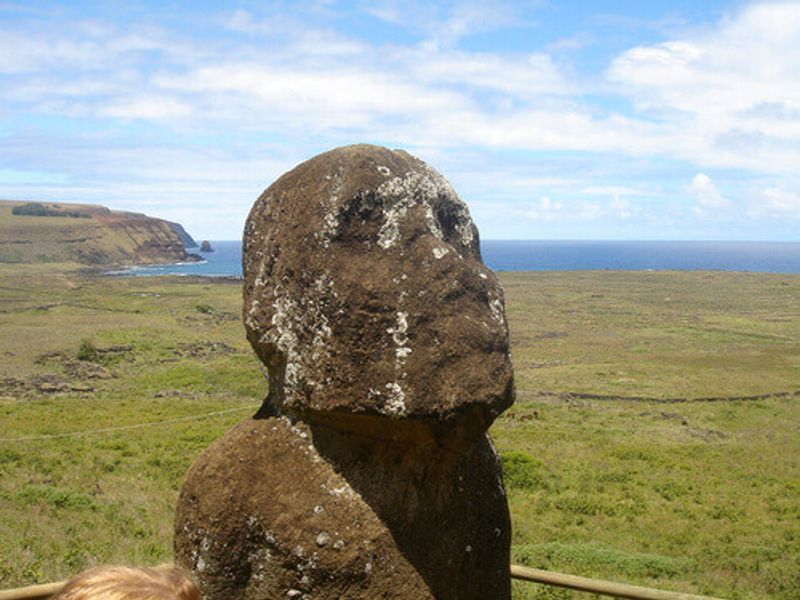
x: 129, y: 583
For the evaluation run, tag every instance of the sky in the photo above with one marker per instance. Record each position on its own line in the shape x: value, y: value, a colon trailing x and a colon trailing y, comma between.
x: 552, y: 119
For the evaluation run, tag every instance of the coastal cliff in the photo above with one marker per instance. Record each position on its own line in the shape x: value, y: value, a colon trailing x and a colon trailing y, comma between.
x: 188, y: 240
x: 88, y: 234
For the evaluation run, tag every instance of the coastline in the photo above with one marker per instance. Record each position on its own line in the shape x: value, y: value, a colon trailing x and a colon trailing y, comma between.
x: 556, y: 255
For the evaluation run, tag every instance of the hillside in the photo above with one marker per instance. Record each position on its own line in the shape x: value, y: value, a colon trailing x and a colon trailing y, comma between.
x: 87, y: 234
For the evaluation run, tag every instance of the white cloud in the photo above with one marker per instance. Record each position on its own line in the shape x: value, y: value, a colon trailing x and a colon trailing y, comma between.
x: 87, y: 49
x: 444, y: 23
x: 151, y: 108
x: 613, y: 190
x: 572, y: 42
x: 208, y: 190
x: 313, y: 98
x: 22, y: 54
x: 293, y: 35
x: 618, y: 205
x: 622, y: 207
x: 724, y: 96
x: 543, y: 129
x: 729, y: 94
x: 589, y: 211
x: 709, y: 108
x: 747, y: 60
x: 778, y: 203
x: 547, y: 210
x: 524, y: 76
x: 242, y: 21
x: 708, y: 200
x: 544, y: 210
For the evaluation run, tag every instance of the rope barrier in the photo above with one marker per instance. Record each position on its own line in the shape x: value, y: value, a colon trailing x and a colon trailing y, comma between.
x: 54, y: 436
x: 573, y: 582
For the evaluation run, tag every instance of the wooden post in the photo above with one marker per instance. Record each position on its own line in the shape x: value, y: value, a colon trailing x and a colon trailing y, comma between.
x: 33, y: 592
x: 573, y: 582
x: 598, y: 586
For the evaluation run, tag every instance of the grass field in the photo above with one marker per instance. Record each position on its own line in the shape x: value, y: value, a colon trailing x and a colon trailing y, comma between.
x: 614, y: 467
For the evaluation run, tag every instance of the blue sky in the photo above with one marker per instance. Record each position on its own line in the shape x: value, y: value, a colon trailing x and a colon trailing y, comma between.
x: 552, y: 119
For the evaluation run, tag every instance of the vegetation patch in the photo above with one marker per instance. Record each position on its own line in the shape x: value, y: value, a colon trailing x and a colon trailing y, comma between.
x: 87, y: 351
x: 522, y: 471
x: 34, y: 209
x: 56, y: 497
x: 592, y: 557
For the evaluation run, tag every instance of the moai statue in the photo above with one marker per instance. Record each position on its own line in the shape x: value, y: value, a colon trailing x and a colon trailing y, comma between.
x: 368, y: 471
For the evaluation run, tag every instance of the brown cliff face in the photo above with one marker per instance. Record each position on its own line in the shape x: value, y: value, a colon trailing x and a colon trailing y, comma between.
x: 97, y: 236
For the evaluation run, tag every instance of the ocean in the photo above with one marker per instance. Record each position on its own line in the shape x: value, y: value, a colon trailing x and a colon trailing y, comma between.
x: 558, y: 255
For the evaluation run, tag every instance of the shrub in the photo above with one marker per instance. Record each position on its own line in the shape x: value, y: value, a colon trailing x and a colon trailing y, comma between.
x: 34, y: 209
x: 522, y: 471
x: 58, y: 498
x: 87, y: 351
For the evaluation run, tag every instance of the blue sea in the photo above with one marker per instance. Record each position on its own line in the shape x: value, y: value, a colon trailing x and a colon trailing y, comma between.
x: 552, y: 255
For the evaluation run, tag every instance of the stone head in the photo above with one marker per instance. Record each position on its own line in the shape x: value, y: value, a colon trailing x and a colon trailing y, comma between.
x: 365, y: 294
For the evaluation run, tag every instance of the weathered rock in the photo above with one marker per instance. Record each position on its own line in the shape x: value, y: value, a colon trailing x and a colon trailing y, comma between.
x: 257, y: 508
x: 365, y: 293
x: 368, y: 472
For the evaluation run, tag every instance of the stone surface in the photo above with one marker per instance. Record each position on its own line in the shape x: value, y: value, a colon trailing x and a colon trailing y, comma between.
x: 365, y: 293
x: 255, y: 505
x: 367, y: 472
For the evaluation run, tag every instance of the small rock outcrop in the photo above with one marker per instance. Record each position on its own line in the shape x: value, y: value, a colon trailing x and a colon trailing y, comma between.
x: 205, y: 246
x: 367, y: 472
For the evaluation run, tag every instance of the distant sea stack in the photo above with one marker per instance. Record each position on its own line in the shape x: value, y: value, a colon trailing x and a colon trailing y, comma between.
x: 35, y: 232
x: 205, y: 246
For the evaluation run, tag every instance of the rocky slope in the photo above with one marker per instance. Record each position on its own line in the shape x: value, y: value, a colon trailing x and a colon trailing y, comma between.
x: 188, y: 240
x: 87, y: 234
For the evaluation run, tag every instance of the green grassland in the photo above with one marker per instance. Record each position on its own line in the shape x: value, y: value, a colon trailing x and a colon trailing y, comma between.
x: 25, y: 238
x: 616, y: 462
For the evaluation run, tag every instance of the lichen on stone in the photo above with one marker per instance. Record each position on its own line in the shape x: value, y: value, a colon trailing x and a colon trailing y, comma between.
x: 395, y: 404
